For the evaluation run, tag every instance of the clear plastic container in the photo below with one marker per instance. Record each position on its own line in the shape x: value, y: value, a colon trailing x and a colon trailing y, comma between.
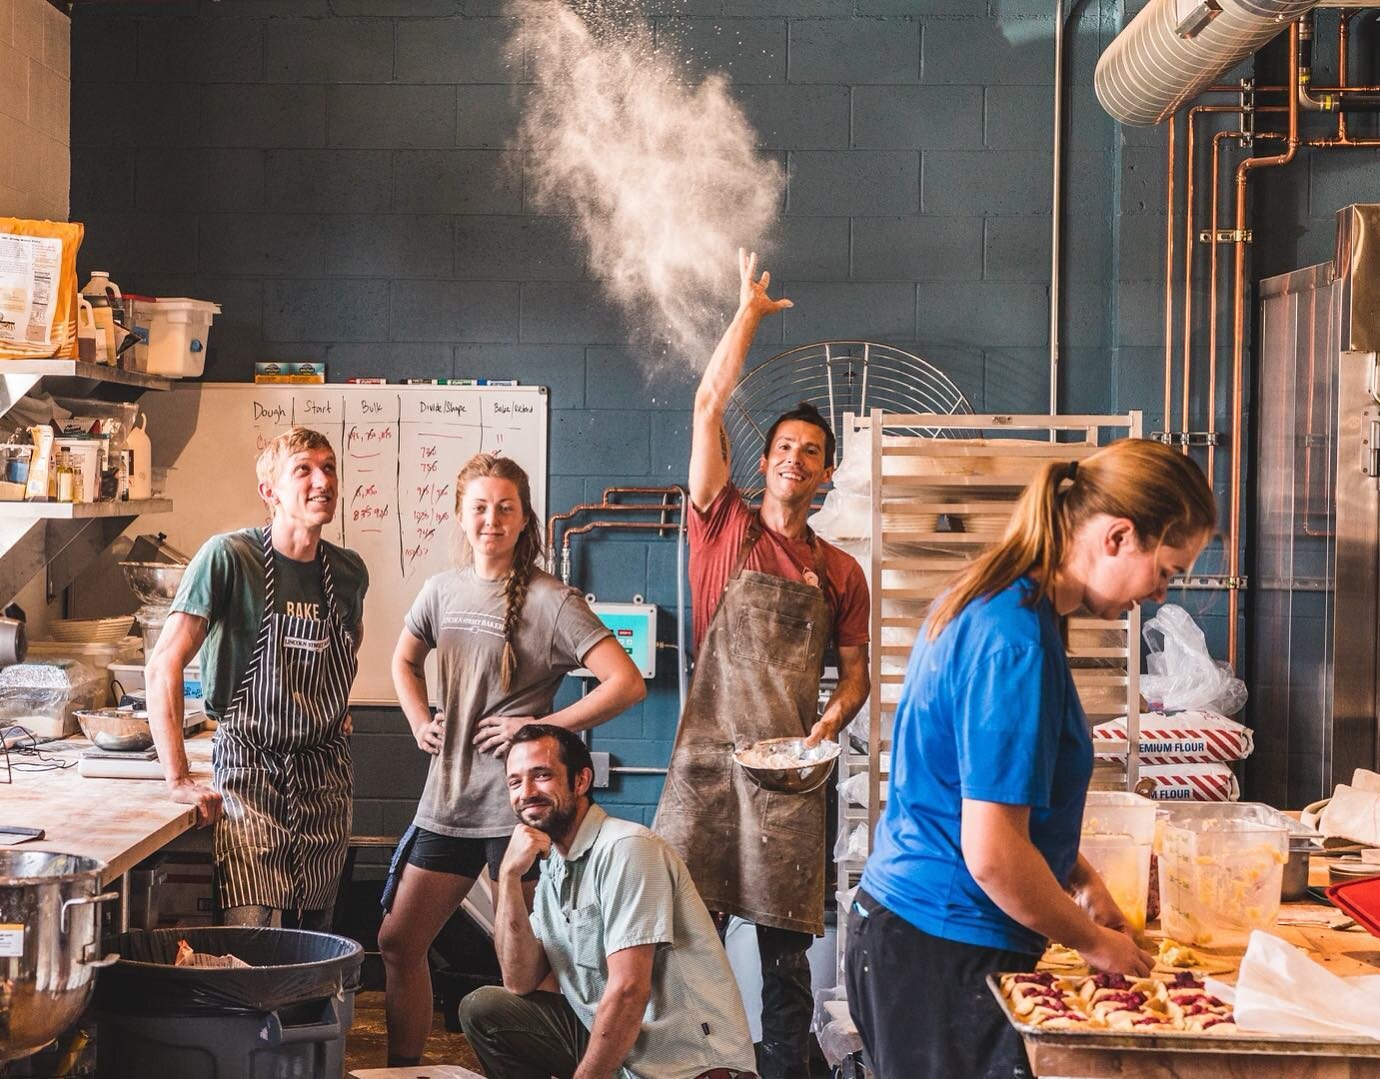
x: 1117, y: 840
x: 1120, y: 813
x: 99, y: 656
x: 1220, y: 878
x: 45, y: 697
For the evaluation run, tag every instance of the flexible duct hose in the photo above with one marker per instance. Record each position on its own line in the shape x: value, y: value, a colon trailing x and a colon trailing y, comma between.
x: 1150, y: 70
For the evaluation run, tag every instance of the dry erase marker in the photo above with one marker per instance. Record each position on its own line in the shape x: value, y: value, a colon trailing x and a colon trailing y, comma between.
x: 367, y: 381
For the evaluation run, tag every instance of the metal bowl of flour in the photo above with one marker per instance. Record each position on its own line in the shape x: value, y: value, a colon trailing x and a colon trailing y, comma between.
x: 784, y: 765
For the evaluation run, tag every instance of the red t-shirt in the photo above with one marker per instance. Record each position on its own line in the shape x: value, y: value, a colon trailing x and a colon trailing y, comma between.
x: 716, y: 534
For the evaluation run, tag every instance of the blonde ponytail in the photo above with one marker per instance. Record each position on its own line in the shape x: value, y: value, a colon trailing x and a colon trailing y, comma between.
x: 1161, y: 492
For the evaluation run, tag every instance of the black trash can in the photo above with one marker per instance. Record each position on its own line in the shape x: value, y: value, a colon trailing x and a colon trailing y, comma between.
x: 285, y: 1016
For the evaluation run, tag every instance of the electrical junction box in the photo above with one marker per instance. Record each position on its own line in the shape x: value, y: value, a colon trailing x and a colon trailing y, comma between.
x: 634, y: 627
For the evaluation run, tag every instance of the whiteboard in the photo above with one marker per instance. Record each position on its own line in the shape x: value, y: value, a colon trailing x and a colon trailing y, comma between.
x: 398, y: 449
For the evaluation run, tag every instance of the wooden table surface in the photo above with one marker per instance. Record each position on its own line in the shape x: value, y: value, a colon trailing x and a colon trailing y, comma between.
x: 119, y: 821
x: 1344, y: 952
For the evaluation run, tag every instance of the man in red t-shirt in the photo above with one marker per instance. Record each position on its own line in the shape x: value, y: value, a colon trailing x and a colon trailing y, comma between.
x: 769, y: 596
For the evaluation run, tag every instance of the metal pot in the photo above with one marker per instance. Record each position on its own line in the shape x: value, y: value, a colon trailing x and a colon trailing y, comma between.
x: 1294, y: 883
x: 49, y: 945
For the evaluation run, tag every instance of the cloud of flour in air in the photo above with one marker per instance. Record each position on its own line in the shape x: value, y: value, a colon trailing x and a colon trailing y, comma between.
x: 659, y: 174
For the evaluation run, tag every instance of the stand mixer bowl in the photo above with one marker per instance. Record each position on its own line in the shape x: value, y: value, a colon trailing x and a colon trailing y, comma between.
x: 155, y: 583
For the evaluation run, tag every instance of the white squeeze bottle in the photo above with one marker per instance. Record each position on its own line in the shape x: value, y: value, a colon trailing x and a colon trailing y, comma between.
x: 140, y: 465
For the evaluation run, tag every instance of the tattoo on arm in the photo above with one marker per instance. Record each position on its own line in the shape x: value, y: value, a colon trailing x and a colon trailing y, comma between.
x: 723, y: 444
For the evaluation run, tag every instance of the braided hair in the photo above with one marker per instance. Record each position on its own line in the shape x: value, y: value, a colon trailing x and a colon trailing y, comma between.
x: 525, y: 556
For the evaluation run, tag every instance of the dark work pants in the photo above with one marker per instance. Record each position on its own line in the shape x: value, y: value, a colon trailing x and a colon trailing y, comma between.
x: 921, y: 1003
x: 523, y: 1037
x: 530, y: 1037
x: 787, y: 1003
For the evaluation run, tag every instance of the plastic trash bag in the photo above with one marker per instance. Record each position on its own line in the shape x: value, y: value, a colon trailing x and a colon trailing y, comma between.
x: 1182, y: 673
x: 286, y: 966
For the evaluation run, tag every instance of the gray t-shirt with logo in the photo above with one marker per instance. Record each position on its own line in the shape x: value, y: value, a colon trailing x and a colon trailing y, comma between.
x: 461, y: 616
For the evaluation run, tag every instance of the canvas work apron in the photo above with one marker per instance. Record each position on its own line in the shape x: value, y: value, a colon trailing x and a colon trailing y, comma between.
x: 754, y: 853
x: 282, y: 762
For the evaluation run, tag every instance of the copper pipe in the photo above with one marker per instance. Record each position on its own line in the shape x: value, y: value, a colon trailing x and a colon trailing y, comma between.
x: 1343, y: 89
x: 1212, y: 291
x: 1343, y: 47
x: 579, y: 530
x: 663, y: 507
x: 590, y: 526
x: 1334, y: 143
x: 1212, y: 313
x: 1169, y: 281
x: 668, y: 491
x: 1243, y: 172
x: 1189, y: 240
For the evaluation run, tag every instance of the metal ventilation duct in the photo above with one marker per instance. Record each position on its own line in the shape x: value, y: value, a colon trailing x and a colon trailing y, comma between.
x: 1174, y: 49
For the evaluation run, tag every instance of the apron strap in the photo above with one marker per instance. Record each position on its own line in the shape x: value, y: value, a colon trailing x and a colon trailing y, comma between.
x: 265, y: 624
x: 748, y: 542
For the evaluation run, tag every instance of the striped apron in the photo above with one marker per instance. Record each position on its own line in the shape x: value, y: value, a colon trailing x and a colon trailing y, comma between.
x: 282, y: 762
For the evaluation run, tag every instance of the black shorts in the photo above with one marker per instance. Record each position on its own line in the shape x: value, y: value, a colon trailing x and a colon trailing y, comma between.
x: 460, y: 855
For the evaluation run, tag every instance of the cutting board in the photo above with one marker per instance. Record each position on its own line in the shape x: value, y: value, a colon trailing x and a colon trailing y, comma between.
x: 106, y: 768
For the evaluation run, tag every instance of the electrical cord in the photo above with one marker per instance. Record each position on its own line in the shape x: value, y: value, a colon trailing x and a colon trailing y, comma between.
x: 25, y: 744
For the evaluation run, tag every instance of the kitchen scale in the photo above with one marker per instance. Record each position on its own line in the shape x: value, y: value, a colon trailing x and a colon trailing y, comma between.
x: 120, y: 764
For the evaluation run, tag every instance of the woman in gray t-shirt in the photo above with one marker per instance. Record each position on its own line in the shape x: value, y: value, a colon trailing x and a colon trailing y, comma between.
x: 505, y: 633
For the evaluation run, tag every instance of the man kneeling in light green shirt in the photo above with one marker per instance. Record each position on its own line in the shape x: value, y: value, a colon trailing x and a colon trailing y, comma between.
x: 645, y: 989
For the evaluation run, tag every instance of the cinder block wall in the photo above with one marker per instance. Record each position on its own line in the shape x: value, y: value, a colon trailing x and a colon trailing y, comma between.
x: 336, y: 175
x: 35, y: 85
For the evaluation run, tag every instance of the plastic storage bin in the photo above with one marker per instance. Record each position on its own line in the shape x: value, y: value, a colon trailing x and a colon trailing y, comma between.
x: 1220, y: 877
x: 1118, y: 839
x: 129, y: 679
x: 1303, y: 839
x: 172, y: 333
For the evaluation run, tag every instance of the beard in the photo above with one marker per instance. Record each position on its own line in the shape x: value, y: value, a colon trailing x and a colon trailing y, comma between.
x: 548, y: 817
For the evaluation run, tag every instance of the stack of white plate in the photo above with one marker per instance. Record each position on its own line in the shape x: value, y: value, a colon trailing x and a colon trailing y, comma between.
x: 90, y: 630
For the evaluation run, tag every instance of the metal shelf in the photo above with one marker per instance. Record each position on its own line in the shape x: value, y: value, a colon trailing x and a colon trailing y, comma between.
x: 69, y: 511
x: 72, y: 378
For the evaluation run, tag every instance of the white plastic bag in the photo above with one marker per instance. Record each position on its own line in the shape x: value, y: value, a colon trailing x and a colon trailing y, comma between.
x: 1280, y: 990
x: 1183, y: 673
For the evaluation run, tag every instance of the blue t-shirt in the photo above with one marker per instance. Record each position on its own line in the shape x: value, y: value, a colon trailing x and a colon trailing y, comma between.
x: 988, y: 712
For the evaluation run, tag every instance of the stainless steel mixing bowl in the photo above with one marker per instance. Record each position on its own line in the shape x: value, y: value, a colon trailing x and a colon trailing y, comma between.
x: 155, y: 583
x: 116, y: 729
x: 810, y: 774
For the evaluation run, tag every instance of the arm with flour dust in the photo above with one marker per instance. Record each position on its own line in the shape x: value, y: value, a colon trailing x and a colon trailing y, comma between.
x: 709, y: 449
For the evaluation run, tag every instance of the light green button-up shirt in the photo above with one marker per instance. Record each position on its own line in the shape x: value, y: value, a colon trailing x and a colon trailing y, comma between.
x: 621, y: 885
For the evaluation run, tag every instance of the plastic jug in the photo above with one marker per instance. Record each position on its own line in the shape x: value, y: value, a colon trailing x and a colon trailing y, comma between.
x: 91, y: 338
x: 1117, y: 838
x: 139, y: 466
x: 107, y: 308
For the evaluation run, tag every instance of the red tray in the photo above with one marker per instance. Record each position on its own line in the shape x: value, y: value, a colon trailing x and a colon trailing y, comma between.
x: 1360, y: 899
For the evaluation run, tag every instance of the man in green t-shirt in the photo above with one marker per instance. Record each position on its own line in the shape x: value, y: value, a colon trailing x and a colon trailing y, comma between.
x: 277, y: 616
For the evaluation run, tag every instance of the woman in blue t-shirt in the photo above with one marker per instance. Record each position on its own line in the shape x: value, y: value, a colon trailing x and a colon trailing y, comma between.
x: 975, y: 863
